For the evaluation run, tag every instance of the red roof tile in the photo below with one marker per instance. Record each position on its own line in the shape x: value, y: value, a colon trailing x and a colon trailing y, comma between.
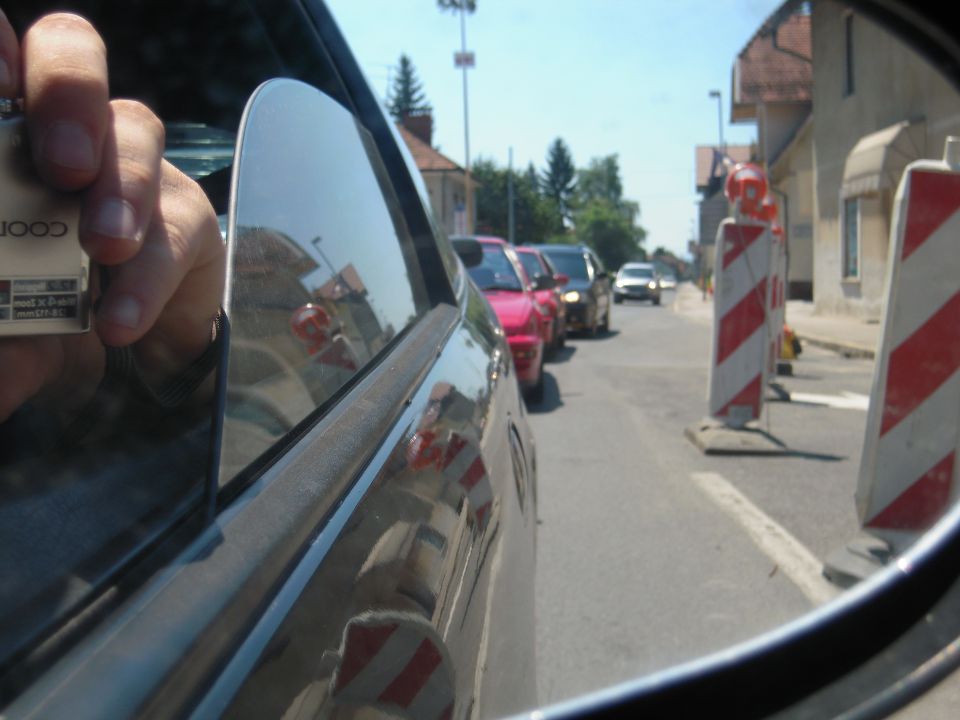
x: 774, y: 67
x: 426, y: 158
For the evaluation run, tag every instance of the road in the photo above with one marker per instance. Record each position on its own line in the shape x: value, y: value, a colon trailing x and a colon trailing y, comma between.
x: 651, y: 553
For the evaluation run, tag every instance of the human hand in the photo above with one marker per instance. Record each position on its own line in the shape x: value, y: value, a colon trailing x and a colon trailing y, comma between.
x: 144, y: 220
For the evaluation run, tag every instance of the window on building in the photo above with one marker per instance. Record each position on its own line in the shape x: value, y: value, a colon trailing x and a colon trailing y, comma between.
x: 851, y: 238
x: 848, y: 86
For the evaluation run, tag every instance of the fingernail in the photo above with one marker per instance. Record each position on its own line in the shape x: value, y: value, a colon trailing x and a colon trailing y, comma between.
x: 68, y: 145
x: 6, y: 79
x: 115, y: 218
x: 123, y: 310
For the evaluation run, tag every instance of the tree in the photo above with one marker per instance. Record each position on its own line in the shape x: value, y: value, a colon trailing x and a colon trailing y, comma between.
x: 602, y: 225
x: 558, y: 182
x: 406, y: 96
x: 533, y: 214
x: 532, y: 178
x: 468, y: 5
x: 600, y: 180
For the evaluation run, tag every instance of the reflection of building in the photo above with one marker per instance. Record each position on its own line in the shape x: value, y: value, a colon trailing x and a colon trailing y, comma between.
x: 445, y: 180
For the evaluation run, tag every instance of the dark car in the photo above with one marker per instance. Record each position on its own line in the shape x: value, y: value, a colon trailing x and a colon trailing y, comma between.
x: 588, y: 295
x: 637, y: 281
x: 355, y: 501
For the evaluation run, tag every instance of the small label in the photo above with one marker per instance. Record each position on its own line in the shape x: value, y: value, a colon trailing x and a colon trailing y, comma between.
x: 39, y: 299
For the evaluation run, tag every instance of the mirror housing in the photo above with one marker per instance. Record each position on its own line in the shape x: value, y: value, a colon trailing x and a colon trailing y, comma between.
x: 544, y: 282
x: 469, y: 250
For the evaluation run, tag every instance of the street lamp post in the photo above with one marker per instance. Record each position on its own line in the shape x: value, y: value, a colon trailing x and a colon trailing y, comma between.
x: 720, y: 149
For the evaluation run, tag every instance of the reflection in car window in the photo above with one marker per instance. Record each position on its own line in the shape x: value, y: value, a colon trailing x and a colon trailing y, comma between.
x: 531, y: 263
x: 496, y: 272
x: 572, y: 264
x: 318, y: 286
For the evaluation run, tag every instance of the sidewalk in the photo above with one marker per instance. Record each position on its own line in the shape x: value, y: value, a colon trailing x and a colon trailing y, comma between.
x: 848, y: 336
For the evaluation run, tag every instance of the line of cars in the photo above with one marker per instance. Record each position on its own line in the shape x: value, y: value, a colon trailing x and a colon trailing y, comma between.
x: 540, y: 292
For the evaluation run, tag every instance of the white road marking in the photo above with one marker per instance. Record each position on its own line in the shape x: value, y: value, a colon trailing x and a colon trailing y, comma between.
x: 789, y: 554
x: 843, y: 401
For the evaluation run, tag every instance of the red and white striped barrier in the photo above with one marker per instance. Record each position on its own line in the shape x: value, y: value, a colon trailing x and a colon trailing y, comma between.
x: 739, y: 368
x: 908, y: 471
x: 397, y: 664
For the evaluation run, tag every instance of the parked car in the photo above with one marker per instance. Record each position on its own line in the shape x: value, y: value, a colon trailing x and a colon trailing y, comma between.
x: 668, y: 281
x: 536, y: 264
x: 588, y: 295
x: 637, y: 281
x: 355, y: 483
x: 506, y: 286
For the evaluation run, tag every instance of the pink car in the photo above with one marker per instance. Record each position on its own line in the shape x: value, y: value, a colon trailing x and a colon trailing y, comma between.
x: 536, y: 264
x: 511, y: 294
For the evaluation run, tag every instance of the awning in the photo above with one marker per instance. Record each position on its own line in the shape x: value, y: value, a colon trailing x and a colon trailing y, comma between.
x: 878, y: 159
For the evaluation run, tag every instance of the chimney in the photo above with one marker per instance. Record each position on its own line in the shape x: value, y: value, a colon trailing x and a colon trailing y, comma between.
x: 420, y: 124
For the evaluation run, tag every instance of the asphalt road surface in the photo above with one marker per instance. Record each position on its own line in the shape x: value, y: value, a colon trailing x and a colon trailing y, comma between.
x: 651, y: 553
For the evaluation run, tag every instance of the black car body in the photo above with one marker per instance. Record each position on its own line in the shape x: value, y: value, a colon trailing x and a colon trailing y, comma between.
x: 346, y: 510
x: 588, y: 295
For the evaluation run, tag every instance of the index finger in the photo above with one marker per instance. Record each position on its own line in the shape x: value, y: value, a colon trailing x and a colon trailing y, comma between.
x: 66, y: 96
x: 9, y: 60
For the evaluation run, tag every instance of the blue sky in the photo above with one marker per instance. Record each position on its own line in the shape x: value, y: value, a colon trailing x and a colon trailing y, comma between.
x: 608, y: 76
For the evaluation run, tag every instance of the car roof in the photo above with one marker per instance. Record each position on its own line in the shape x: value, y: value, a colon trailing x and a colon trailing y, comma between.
x: 558, y: 247
x: 629, y: 265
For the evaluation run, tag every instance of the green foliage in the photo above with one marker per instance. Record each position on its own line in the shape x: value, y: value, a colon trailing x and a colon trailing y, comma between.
x: 468, y: 5
x: 406, y: 96
x: 600, y: 180
x: 603, y: 226
x: 533, y: 214
x: 559, y: 181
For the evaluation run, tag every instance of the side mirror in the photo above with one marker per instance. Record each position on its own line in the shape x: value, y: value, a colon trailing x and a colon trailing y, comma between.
x: 469, y: 250
x: 544, y: 282
x: 561, y: 278
x: 603, y: 275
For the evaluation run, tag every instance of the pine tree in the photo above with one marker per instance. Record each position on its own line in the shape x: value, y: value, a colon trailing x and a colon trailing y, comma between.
x: 406, y: 96
x: 558, y: 182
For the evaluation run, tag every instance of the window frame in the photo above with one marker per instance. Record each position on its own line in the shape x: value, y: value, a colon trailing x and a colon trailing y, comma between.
x: 845, y: 256
x: 849, y: 78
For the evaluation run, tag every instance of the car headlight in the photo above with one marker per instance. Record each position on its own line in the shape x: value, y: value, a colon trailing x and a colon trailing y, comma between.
x: 652, y: 285
x: 572, y: 296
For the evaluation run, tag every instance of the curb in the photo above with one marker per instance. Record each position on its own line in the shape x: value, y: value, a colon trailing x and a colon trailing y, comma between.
x: 848, y: 350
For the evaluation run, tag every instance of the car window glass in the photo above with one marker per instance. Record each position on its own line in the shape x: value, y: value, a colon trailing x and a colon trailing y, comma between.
x: 569, y: 263
x: 496, y: 272
x: 531, y: 264
x: 323, y: 273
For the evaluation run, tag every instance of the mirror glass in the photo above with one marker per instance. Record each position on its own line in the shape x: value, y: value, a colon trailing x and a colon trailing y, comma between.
x: 617, y: 125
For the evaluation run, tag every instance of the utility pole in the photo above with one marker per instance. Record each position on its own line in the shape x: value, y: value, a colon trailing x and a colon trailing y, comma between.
x: 511, y: 230
x: 465, y: 60
x: 721, y: 150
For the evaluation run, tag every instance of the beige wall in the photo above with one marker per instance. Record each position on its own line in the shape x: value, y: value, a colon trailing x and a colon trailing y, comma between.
x: 446, y: 190
x: 792, y: 175
x: 891, y: 84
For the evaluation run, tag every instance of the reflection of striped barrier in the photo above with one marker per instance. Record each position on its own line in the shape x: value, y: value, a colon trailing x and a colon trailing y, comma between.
x: 460, y: 461
x: 908, y: 472
x: 740, y: 329
x: 396, y: 664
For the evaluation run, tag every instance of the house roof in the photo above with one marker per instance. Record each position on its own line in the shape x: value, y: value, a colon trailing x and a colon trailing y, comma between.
x: 709, y: 165
x: 427, y: 158
x: 776, y: 66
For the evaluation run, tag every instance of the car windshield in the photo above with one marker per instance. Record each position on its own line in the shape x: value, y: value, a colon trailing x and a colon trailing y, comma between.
x: 495, y: 272
x: 569, y: 263
x: 635, y: 272
x: 531, y: 264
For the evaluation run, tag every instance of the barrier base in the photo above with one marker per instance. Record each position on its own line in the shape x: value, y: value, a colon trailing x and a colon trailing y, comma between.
x: 712, y: 437
x: 778, y: 393
x: 857, y: 560
x: 785, y: 368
